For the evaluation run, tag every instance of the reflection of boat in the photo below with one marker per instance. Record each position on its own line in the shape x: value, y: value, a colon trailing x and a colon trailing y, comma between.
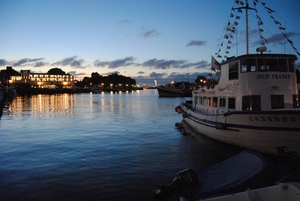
x: 7, y: 94
x: 96, y: 91
x: 252, y: 102
x: 175, y: 90
x: 1, y: 101
x: 246, y: 170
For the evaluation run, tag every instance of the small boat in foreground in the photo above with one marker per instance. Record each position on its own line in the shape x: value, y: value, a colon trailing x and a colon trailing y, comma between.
x: 233, y: 178
x: 278, y: 192
x: 252, y: 101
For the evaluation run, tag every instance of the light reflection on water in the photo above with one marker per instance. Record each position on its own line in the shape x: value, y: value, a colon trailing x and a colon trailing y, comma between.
x: 96, y: 146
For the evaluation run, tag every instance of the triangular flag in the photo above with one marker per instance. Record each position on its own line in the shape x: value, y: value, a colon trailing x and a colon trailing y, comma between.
x: 215, y: 65
x: 276, y: 22
x: 270, y: 10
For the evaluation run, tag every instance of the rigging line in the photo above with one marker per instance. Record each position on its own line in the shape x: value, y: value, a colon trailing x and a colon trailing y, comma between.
x: 274, y: 36
x: 270, y: 11
x: 281, y: 33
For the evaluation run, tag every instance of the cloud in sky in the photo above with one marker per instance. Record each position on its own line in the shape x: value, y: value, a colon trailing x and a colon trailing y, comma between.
x: 40, y: 64
x: 279, y: 38
x: 201, y: 64
x: 27, y: 61
x: 127, y: 61
x: 164, y: 64
x: 118, y: 63
x: 70, y: 61
x: 165, y: 78
x: 3, y: 62
x: 197, y: 43
x: 124, y: 22
x: 147, y: 33
x: 157, y: 75
x: 167, y: 64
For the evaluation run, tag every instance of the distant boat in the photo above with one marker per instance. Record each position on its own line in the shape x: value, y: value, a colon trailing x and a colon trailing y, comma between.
x: 252, y: 102
x: 175, y: 90
x: 97, y: 91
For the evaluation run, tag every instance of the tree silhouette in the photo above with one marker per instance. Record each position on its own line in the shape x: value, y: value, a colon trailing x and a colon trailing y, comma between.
x: 56, y: 71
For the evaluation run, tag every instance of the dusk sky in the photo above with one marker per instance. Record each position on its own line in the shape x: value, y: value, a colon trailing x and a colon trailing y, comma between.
x: 142, y: 39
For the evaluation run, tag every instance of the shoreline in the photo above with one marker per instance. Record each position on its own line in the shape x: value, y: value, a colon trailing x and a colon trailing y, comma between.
x: 34, y: 91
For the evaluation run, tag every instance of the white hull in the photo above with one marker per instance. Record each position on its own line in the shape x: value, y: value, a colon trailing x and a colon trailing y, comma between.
x: 262, y: 132
x: 249, y: 100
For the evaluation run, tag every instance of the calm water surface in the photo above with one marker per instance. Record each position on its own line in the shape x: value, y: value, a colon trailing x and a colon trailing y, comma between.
x: 96, y: 146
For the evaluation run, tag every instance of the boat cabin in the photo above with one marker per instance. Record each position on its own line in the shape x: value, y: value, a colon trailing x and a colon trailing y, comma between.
x: 252, y: 82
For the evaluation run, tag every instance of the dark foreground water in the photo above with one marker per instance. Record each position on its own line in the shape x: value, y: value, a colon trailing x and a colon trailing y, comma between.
x: 96, y: 147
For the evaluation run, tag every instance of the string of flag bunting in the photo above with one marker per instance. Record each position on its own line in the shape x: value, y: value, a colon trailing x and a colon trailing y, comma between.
x: 230, y: 32
x: 260, y: 23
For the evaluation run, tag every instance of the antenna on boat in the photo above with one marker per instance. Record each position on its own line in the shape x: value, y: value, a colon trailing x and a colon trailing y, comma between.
x: 247, y: 28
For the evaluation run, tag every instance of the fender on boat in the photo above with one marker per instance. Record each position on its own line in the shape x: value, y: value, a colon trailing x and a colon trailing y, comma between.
x: 178, y: 109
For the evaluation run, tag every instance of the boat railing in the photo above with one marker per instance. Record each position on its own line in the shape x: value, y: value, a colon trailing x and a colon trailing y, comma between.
x: 206, y: 111
x: 188, y: 104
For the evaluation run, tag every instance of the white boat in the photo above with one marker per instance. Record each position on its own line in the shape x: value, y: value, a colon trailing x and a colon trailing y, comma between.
x: 279, y: 192
x: 252, y: 102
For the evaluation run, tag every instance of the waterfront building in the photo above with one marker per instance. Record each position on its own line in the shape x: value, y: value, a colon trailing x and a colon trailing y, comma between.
x: 35, y: 80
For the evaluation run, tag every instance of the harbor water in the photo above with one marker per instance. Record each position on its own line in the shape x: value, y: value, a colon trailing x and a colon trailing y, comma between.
x: 107, y: 146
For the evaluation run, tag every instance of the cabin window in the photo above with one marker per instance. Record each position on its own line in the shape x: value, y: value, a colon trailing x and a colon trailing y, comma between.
x: 200, y: 100
x: 208, y: 101
x: 204, y: 101
x: 194, y: 99
x: 291, y: 64
x: 222, y: 102
x: 272, y: 64
x: 251, y: 103
x: 296, y: 101
x: 277, y: 101
x: 261, y: 65
x: 282, y: 64
x: 215, y: 102
x: 231, y: 103
x: 248, y: 65
x: 233, y: 71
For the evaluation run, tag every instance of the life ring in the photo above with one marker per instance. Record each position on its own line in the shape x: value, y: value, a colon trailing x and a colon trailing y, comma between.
x: 178, y: 109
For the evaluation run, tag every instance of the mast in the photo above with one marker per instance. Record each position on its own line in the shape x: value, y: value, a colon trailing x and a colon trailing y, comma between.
x: 247, y: 27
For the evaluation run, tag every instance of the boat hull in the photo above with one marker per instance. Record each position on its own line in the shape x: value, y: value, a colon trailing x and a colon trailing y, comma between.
x: 279, y: 192
x: 169, y: 92
x: 264, y: 132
